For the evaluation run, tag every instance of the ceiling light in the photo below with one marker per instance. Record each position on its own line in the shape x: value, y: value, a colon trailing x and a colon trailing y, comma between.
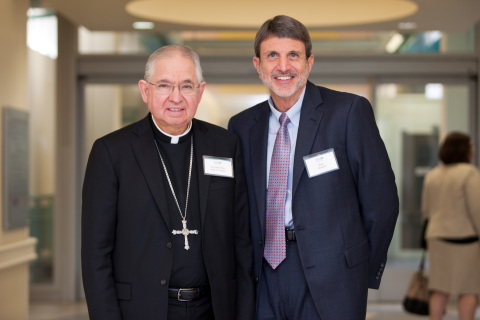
x: 394, y: 43
x: 434, y: 91
x: 143, y: 25
x: 239, y: 14
x: 407, y: 25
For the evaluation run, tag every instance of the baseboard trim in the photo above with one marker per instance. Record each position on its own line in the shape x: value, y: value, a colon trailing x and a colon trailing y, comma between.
x: 16, y: 253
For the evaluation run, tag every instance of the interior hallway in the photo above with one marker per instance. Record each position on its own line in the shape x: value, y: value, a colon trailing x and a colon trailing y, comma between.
x: 78, y: 311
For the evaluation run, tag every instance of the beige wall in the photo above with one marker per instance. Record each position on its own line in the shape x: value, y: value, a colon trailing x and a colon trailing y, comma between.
x: 42, y: 91
x: 16, y: 248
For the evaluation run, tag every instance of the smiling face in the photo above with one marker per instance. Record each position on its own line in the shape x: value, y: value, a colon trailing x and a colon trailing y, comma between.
x: 172, y: 112
x: 284, y: 68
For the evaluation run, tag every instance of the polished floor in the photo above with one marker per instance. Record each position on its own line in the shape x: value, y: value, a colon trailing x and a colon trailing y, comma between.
x: 78, y: 311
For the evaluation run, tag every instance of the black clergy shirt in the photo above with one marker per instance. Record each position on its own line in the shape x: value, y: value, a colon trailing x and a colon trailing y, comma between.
x: 188, y: 269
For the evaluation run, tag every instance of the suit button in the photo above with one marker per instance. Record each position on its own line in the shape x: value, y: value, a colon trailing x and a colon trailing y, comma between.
x: 169, y: 245
x: 261, y: 242
x: 256, y: 279
x: 163, y: 282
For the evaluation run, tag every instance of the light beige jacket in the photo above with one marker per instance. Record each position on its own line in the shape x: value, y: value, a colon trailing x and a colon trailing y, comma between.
x: 451, y: 201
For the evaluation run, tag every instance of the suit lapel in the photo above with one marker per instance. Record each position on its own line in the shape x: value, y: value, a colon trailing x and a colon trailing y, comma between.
x: 148, y: 160
x: 309, y: 122
x: 258, y: 159
x: 204, y: 145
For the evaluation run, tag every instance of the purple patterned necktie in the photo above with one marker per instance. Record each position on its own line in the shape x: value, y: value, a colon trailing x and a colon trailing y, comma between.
x: 275, y: 244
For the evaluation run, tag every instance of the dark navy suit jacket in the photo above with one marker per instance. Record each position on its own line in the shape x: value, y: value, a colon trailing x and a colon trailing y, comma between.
x: 344, y: 219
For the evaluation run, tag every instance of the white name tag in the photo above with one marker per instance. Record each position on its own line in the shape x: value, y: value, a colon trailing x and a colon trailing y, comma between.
x: 320, y: 163
x: 215, y: 166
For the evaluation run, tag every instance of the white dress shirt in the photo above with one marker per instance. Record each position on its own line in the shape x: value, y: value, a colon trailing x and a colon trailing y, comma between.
x: 294, y: 115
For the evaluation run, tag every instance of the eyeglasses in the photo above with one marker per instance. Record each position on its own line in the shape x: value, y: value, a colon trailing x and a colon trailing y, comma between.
x: 166, y: 88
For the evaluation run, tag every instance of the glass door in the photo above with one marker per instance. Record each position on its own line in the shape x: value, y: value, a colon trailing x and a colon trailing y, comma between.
x: 413, y: 119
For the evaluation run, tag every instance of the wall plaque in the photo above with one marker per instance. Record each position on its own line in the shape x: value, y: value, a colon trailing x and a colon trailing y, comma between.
x: 15, y: 168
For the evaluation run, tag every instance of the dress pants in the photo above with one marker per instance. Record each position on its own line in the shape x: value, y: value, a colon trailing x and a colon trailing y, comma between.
x: 283, y: 293
x: 193, y: 310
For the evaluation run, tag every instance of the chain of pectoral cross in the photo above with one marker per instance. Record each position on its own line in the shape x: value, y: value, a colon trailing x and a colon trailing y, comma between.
x: 185, y: 230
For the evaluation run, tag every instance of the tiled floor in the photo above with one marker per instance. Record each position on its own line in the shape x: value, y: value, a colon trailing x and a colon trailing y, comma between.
x: 58, y: 311
x: 78, y: 311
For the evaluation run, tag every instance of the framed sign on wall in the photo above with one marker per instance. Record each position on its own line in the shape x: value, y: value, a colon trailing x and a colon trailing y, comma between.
x: 15, y: 168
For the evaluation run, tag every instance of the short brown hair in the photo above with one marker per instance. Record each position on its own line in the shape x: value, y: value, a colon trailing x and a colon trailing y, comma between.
x: 283, y: 27
x: 455, y: 148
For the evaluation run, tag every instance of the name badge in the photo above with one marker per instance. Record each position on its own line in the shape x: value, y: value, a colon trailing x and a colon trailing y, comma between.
x: 215, y: 166
x: 320, y: 163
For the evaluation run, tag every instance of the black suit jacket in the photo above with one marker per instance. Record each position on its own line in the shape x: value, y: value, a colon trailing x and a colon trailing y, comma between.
x: 127, y: 253
x: 344, y: 219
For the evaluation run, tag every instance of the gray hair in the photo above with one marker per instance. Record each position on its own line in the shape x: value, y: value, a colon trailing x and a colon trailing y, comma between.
x: 168, y: 52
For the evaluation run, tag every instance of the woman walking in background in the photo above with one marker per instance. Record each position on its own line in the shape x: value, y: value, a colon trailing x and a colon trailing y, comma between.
x: 451, y: 203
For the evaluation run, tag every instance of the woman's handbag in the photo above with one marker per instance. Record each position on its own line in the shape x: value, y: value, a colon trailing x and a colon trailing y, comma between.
x: 416, y: 298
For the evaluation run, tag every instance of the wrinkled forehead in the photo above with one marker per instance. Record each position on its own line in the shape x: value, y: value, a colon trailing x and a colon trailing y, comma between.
x: 282, y: 44
x: 175, y: 68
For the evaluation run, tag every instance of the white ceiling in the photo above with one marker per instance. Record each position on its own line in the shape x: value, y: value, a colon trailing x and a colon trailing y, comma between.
x: 111, y: 15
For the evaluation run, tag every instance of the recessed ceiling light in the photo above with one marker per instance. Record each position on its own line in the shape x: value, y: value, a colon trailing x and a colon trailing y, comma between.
x: 407, y: 25
x: 394, y: 43
x: 143, y: 25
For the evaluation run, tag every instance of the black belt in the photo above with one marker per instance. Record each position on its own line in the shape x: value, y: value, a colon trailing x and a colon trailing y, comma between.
x: 290, y: 235
x: 188, y: 294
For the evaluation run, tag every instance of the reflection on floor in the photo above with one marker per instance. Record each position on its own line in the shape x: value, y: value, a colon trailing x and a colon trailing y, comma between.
x: 78, y: 311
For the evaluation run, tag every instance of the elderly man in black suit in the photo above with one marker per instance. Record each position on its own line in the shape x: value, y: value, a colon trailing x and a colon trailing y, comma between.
x: 165, y: 222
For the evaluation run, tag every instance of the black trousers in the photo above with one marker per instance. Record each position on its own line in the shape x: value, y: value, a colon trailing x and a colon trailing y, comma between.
x: 192, y: 310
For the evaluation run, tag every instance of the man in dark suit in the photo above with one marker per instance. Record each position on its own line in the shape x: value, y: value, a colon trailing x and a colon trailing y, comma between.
x: 323, y: 199
x: 165, y: 222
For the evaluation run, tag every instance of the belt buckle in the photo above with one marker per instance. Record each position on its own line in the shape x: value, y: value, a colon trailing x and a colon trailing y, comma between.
x: 179, y: 293
x: 290, y: 235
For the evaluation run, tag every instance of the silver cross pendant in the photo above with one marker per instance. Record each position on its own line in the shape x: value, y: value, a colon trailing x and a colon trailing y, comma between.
x: 185, y: 232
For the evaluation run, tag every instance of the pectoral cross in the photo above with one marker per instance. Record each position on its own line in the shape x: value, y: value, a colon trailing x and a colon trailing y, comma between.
x: 185, y: 232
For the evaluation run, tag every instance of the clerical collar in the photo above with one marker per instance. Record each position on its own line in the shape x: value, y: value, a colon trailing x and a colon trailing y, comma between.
x: 173, y: 139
